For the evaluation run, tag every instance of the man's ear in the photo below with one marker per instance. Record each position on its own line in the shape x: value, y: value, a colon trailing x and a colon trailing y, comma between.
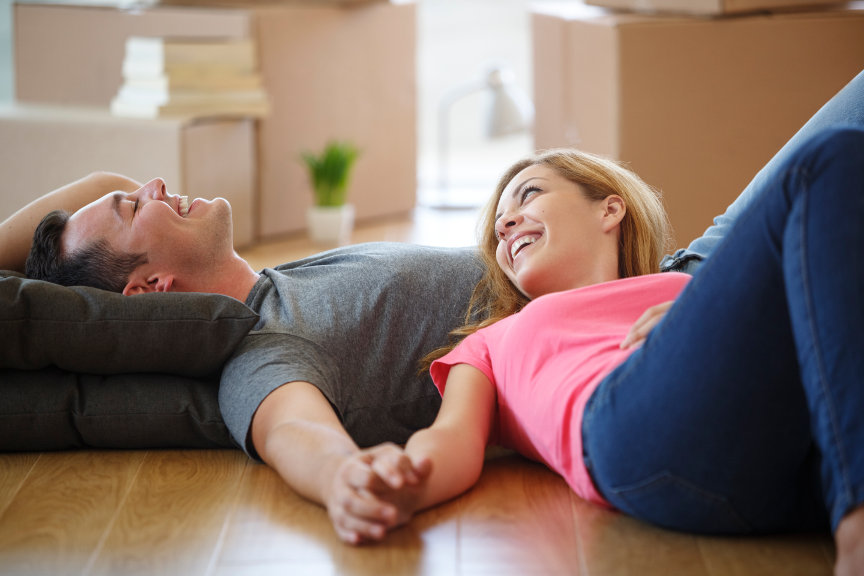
x: 614, y: 209
x: 140, y: 283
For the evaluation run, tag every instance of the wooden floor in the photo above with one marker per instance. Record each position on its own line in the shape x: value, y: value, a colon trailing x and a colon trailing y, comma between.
x: 215, y: 512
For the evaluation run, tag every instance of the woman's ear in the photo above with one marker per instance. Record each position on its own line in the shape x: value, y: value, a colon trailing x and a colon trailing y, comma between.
x: 613, y: 212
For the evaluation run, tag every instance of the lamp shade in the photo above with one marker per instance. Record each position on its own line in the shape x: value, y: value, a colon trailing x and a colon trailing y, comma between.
x: 511, y: 111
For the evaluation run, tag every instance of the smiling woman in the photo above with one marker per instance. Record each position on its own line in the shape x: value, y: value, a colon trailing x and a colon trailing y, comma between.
x: 601, y: 192
x: 745, y: 421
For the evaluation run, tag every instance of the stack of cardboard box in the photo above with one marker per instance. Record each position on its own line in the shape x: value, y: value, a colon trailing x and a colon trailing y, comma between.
x: 330, y: 70
x: 694, y: 104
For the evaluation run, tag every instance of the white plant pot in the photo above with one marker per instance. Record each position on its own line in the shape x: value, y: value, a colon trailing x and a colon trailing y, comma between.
x: 330, y: 225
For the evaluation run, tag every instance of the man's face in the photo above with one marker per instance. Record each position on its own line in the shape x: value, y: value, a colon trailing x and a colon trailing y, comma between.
x: 182, y: 244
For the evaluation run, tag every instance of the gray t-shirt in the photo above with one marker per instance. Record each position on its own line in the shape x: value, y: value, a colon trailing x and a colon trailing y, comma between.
x: 354, y: 322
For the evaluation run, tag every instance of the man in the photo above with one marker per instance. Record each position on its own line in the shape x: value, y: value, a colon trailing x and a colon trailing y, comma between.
x: 333, y: 363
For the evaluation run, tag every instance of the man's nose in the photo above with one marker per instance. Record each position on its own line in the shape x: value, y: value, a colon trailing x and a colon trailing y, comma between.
x: 153, y: 189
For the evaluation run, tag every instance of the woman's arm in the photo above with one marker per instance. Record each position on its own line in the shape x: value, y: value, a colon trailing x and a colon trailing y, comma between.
x: 455, y: 444
x: 448, y: 456
x: 16, y: 232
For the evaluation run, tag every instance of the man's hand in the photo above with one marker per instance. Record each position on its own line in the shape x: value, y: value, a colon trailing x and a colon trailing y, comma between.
x: 375, y: 491
x: 643, y: 326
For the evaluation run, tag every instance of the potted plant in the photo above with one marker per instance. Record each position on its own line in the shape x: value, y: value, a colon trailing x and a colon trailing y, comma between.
x: 331, y: 217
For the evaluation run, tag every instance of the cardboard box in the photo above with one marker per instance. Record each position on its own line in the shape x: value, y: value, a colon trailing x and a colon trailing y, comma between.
x: 711, y: 7
x: 329, y: 72
x: 247, y: 3
x: 46, y: 147
x: 695, y: 106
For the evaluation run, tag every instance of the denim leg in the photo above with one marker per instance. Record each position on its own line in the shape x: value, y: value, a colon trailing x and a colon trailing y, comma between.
x: 846, y: 108
x: 825, y: 289
x: 707, y: 428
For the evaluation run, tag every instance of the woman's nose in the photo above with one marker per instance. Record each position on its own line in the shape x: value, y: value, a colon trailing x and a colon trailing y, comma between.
x: 504, y: 223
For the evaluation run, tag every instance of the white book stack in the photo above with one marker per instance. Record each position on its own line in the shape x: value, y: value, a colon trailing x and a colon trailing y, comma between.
x: 174, y: 76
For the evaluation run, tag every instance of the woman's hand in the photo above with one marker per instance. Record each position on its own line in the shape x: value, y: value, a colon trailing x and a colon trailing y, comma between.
x: 375, y: 491
x: 643, y: 326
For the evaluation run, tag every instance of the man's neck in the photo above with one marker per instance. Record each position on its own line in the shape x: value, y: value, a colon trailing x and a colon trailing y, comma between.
x: 235, y: 278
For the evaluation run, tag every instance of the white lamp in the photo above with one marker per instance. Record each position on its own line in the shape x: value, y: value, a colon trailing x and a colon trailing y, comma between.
x: 511, y: 112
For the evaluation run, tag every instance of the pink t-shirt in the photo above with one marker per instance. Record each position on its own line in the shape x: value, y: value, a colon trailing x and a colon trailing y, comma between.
x: 546, y: 360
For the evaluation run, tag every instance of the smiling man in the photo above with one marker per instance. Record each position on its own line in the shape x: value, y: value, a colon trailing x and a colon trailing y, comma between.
x: 332, y: 364
x: 144, y: 240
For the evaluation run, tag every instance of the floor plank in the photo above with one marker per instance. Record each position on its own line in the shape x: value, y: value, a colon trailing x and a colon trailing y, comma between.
x: 517, y: 520
x: 616, y: 544
x: 173, y: 519
x: 217, y: 513
x: 272, y: 525
x: 14, y: 469
x: 273, y: 530
x: 63, y: 510
x: 794, y: 555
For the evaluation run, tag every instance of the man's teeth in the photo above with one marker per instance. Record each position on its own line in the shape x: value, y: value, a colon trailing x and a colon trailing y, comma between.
x: 184, y: 205
x: 519, y: 243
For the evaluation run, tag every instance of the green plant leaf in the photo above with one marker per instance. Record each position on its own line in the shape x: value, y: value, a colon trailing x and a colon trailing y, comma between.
x: 330, y: 171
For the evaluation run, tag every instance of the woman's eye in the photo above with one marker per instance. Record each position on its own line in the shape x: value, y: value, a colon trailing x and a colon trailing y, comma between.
x: 528, y: 192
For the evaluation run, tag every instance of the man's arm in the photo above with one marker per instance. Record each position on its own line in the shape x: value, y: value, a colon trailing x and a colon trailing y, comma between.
x: 297, y: 433
x: 16, y: 232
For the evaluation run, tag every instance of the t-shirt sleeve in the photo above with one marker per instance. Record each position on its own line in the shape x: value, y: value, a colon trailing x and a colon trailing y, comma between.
x: 473, y: 350
x: 260, y: 365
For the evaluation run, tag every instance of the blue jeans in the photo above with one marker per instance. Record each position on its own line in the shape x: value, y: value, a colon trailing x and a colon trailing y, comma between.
x: 846, y: 108
x: 758, y: 423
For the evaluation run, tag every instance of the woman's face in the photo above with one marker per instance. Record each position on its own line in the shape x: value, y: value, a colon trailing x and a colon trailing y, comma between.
x: 551, y: 237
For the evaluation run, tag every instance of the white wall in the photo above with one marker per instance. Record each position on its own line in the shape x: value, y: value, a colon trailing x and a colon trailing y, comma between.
x: 458, y: 40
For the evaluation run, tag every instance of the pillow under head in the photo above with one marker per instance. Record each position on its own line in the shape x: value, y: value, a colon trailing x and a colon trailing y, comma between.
x: 87, y: 330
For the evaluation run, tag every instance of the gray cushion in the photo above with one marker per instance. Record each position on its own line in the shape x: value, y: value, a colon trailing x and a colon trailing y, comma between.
x: 92, y: 331
x: 51, y: 409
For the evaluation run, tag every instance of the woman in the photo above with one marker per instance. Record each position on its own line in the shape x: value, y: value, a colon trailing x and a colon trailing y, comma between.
x: 754, y: 428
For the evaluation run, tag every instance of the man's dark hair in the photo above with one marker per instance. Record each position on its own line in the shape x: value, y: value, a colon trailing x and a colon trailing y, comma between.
x: 96, y: 265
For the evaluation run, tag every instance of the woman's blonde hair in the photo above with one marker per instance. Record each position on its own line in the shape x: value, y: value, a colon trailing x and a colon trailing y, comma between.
x: 644, y: 233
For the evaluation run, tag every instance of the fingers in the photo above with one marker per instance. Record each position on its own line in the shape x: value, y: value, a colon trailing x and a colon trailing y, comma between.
x: 394, y: 467
x: 643, y: 326
x: 361, y: 501
x: 379, y: 469
x: 359, y: 517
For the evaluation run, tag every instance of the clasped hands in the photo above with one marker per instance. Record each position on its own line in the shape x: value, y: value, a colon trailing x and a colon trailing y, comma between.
x: 374, y: 491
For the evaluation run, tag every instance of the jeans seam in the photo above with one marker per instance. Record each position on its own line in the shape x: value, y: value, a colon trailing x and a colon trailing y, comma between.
x: 666, y: 477
x: 844, y: 492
